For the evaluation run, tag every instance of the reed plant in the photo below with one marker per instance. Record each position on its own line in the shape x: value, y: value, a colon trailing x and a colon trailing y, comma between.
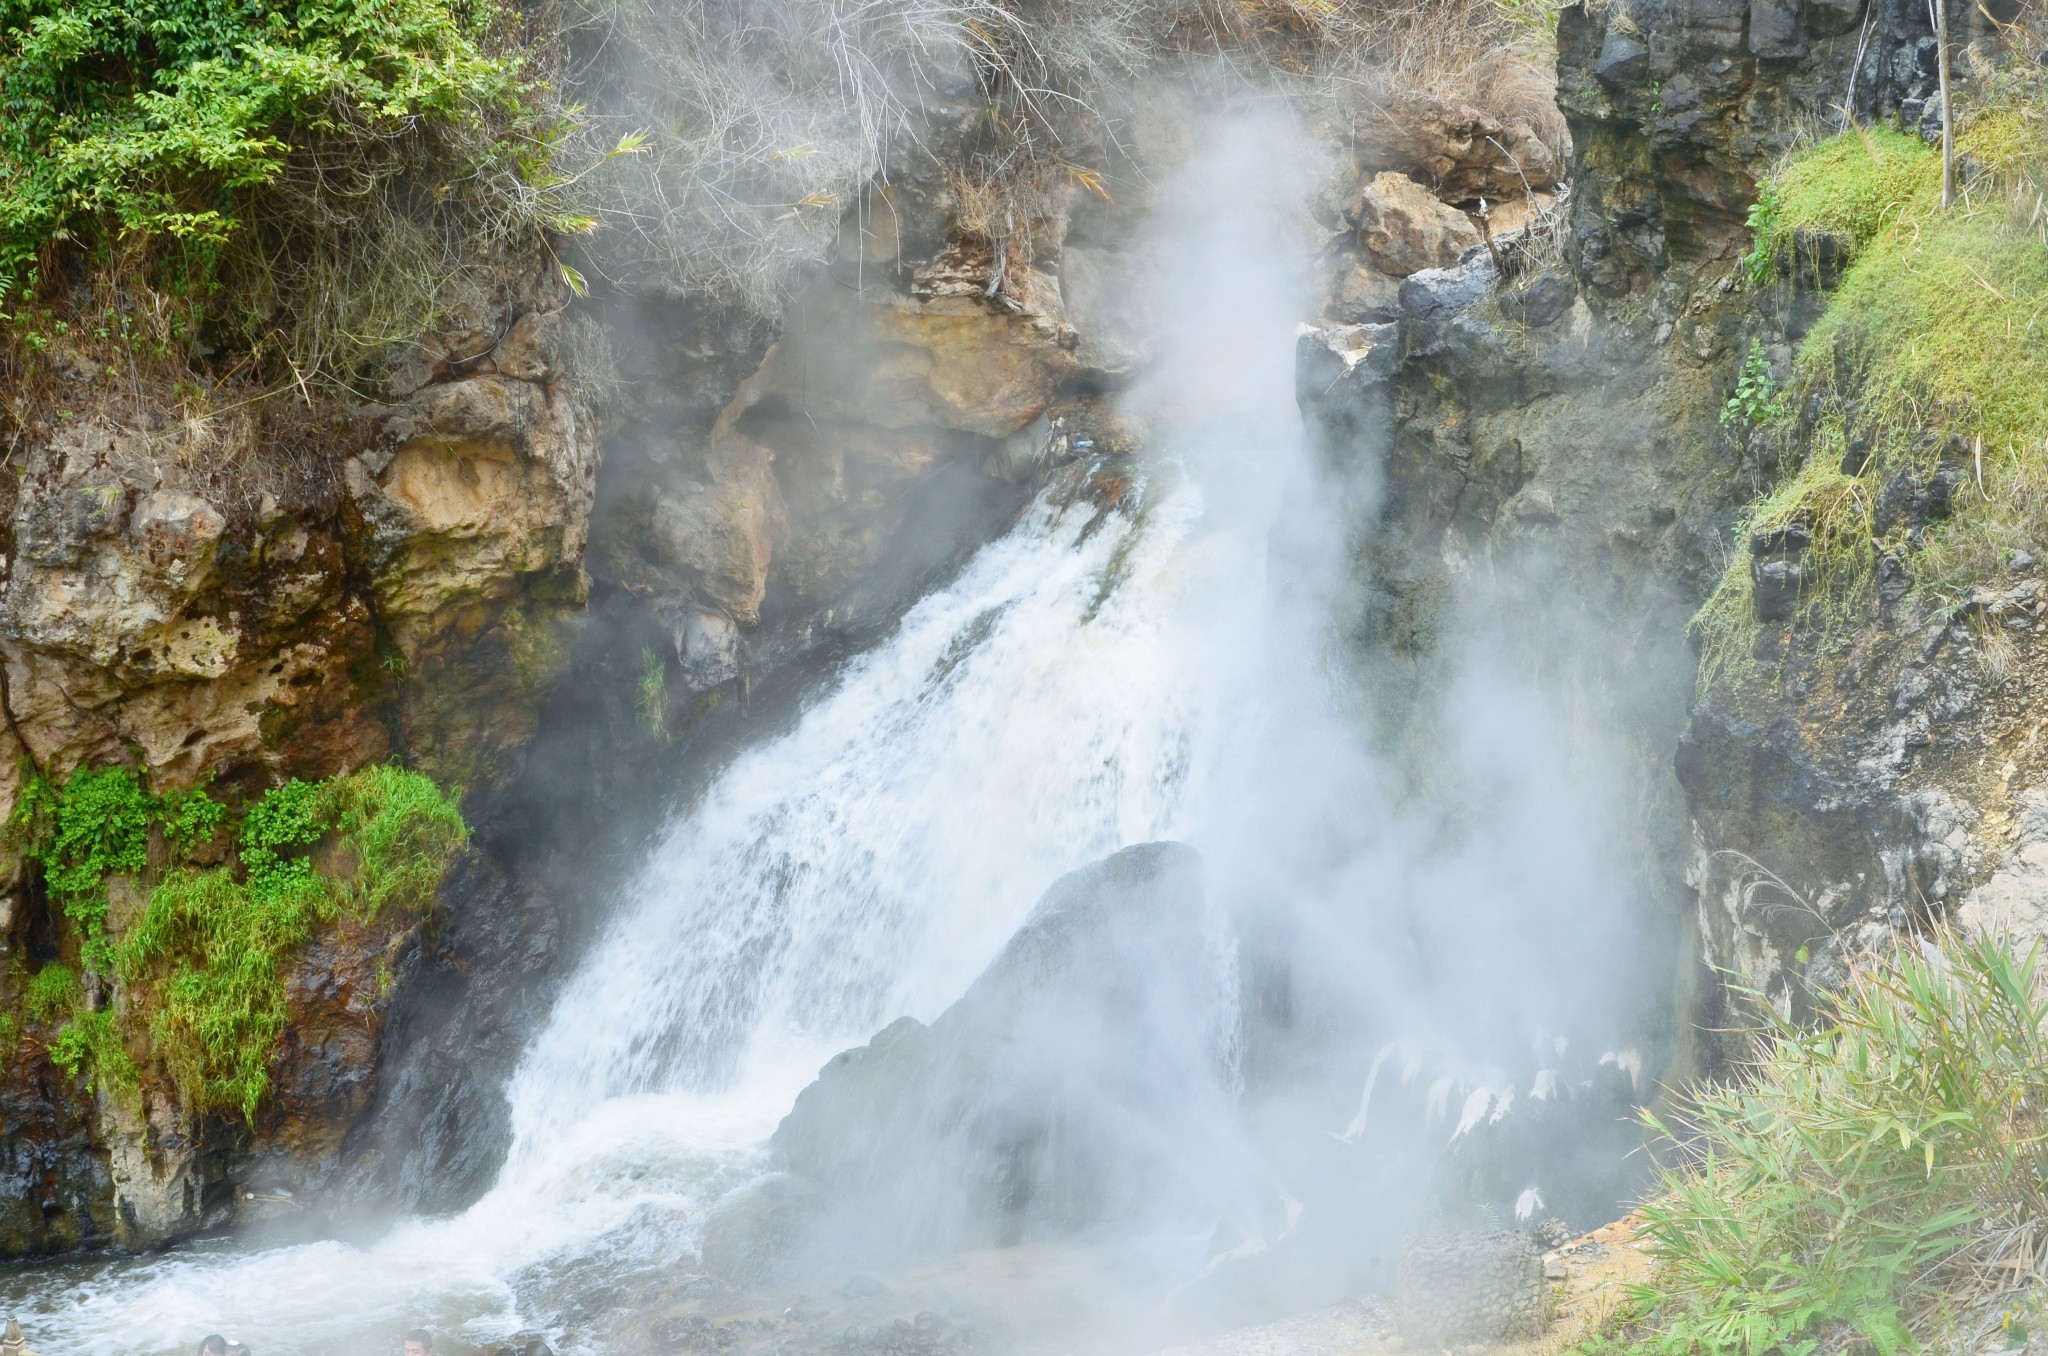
x: 1878, y: 1179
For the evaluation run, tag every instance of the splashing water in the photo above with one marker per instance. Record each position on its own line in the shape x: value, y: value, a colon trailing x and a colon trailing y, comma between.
x: 1047, y: 708
x: 1093, y: 679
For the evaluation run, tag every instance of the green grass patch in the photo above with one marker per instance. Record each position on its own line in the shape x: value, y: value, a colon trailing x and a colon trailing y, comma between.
x: 52, y: 993
x: 1933, y: 341
x: 1865, y: 1178
x: 1839, y: 566
x: 90, y: 1046
x: 201, y: 970
x: 403, y: 831
x: 1852, y: 187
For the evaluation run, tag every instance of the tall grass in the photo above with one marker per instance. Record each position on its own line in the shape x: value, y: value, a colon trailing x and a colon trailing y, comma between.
x: 1876, y: 1178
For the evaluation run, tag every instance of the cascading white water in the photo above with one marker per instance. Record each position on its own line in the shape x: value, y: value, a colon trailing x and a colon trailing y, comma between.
x: 1093, y: 679
x: 1059, y: 700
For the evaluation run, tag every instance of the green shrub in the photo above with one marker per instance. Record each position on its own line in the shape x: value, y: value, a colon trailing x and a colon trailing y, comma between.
x: 1860, y: 1176
x: 1758, y: 400
x: 143, y: 119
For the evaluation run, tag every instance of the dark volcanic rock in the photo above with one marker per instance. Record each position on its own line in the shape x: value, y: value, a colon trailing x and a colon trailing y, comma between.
x: 1041, y: 1102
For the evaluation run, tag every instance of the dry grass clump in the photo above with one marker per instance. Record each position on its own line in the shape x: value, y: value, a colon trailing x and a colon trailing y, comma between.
x: 112, y: 361
x: 765, y: 122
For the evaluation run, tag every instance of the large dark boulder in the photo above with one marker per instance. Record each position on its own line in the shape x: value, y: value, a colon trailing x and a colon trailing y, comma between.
x: 1072, y: 1086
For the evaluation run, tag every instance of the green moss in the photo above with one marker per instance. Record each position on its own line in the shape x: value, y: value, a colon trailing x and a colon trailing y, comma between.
x: 1934, y: 339
x: 202, y: 969
x: 1851, y: 187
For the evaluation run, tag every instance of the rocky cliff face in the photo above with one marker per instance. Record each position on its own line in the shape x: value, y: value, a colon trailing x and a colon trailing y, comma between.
x: 1555, y: 475
x: 574, y: 618
x: 411, y: 581
x: 295, y: 596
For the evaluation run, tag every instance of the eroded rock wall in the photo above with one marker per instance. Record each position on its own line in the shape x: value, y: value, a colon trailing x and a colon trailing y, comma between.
x: 1548, y: 467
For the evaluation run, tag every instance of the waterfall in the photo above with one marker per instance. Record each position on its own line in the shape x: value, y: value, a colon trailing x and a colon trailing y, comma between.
x: 1061, y: 698
x: 1120, y: 667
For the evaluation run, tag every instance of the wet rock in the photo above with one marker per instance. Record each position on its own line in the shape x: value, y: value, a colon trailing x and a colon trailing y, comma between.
x: 1403, y: 227
x: 763, y: 1234
x: 1465, y: 1288
x: 1540, y: 302
x: 1775, y: 586
x: 1365, y: 296
x: 707, y: 648
x: 1827, y: 18
x: 526, y: 1344
x: 1816, y: 260
x: 1776, y: 572
x: 928, y: 1334
x: 2013, y: 901
x: 1437, y: 292
x: 1774, y: 31
x: 1623, y: 58
x: 1037, y: 1104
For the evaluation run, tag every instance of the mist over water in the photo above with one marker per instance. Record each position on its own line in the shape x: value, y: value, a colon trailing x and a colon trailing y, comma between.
x: 1096, y: 678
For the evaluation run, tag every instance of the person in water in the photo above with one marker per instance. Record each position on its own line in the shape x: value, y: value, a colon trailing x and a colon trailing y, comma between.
x: 213, y: 1344
x: 419, y: 1342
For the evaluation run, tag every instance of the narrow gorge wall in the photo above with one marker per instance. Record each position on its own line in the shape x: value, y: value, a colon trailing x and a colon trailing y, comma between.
x: 1559, y: 481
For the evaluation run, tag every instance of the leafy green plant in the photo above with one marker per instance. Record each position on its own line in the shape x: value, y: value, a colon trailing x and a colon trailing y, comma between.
x: 95, y: 825
x: 208, y: 953
x: 52, y: 993
x: 1861, y: 1175
x: 1763, y: 229
x: 1758, y: 400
